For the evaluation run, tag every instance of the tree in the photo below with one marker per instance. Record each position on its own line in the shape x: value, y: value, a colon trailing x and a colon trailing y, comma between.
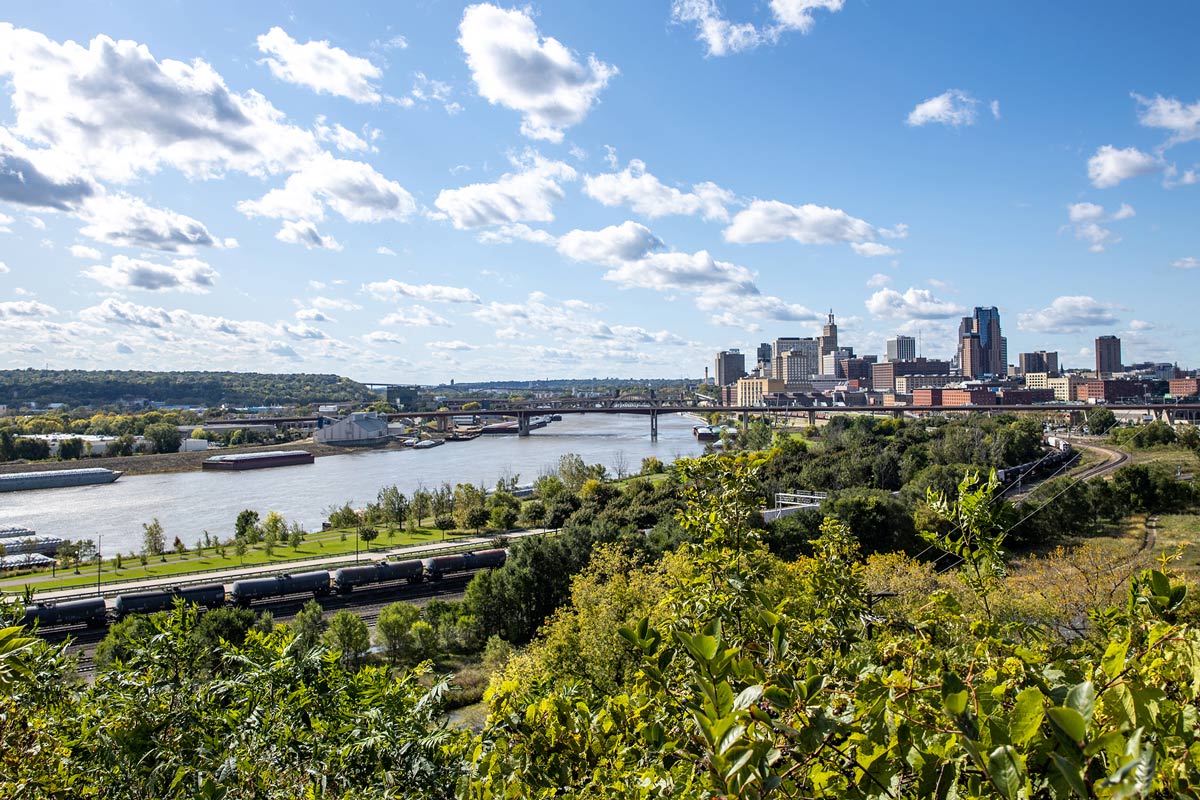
x: 295, y: 535
x: 122, y: 445
x: 652, y: 465
x: 421, y: 504
x: 572, y: 471
x: 154, y: 542
x: 392, y: 631
x: 424, y: 639
x: 348, y: 634
x: 246, y: 520
x: 274, y: 527
x: 309, y: 624
x: 165, y: 438
x: 621, y: 465
x: 394, y: 506
x: 70, y: 449
x: 1100, y: 421
x: 368, y: 535
x: 503, y: 510
x: 469, y: 506
x: 444, y: 523
x: 343, y: 517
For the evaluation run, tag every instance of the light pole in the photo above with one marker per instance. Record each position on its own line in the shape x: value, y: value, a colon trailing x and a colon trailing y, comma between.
x: 99, y: 561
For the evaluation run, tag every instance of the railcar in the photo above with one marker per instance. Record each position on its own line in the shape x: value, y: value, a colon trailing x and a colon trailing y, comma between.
x: 244, y: 592
x: 210, y: 595
x: 89, y: 611
x: 346, y: 579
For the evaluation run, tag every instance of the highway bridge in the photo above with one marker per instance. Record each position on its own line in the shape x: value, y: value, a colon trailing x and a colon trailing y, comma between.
x: 524, y: 412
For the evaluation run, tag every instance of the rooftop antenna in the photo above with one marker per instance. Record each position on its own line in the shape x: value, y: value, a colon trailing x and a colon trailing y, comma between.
x: 920, y: 346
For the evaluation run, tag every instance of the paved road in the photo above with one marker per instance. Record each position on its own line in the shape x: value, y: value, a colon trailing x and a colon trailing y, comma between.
x: 236, y: 573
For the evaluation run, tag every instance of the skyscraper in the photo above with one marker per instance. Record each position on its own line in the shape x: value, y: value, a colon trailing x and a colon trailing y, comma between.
x: 902, y: 348
x: 829, y: 341
x: 982, y: 351
x: 1039, y: 361
x: 731, y: 365
x: 1108, y: 355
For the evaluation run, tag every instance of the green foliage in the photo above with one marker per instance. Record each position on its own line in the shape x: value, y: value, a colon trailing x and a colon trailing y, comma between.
x: 309, y: 625
x: 392, y: 630
x: 164, y: 437
x: 154, y: 542
x: 347, y: 634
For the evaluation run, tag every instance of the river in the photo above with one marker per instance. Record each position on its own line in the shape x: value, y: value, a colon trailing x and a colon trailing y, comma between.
x: 188, y: 503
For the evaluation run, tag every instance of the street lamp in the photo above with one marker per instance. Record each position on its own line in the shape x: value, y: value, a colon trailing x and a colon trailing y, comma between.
x: 99, y: 560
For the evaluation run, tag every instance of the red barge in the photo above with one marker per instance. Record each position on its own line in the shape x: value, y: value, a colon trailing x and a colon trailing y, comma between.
x: 242, y: 461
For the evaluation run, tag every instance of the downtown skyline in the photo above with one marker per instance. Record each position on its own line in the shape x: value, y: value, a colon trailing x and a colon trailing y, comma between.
x: 487, y: 191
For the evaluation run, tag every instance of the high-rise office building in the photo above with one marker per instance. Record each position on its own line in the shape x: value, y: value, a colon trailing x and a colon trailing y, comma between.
x: 982, y: 351
x: 731, y: 365
x: 803, y: 365
x: 828, y: 342
x: 763, y: 356
x: 902, y: 348
x: 1108, y: 355
x: 1038, y: 361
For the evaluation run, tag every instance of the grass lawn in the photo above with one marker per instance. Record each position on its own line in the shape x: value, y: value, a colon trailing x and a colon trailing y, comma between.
x: 315, y: 545
x: 1181, y: 530
x: 1170, y: 454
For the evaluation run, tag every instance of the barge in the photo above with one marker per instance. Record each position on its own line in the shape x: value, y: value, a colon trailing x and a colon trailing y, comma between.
x: 57, y: 479
x: 244, y: 461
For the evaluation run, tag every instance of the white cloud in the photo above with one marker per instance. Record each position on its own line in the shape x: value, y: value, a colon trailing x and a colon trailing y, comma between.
x: 723, y: 37
x: 112, y: 110
x: 4, y: 268
x: 312, y: 315
x: 525, y: 196
x: 351, y: 188
x: 385, y: 251
x: 320, y: 66
x: 912, y: 304
x: 80, y: 251
x: 1172, y: 177
x: 305, y: 233
x: 303, y: 331
x: 873, y: 249
x: 995, y: 107
x: 1190, y: 262
x: 1182, y: 120
x: 183, y: 274
x: 383, y: 337
x: 693, y: 272
x: 647, y: 195
x: 454, y: 345
x: 517, y: 231
x: 1139, y: 325
x: 344, y: 139
x: 333, y: 303
x: 426, y: 90
x: 513, y: 66
x: 1086, y: 219
x: 126, y: 221
x: 1068, y: 314
x: 772, y: 220
x: 415, y: 317
x: 393, y: 289
x: 1109, y: 166
x: 610, y: 246
x: 953, y: 107
x: 5, y: 220
x: 35, y: 222
x: 25, y: 308
x: 879, y: 280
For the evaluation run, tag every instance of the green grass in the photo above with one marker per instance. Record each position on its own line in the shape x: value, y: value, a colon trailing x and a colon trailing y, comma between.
x: 1181, y: 530
x: 1172, y: 455
x: 315, y: 545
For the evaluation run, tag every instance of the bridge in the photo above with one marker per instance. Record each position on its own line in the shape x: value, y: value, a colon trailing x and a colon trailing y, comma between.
x: 525, y: 412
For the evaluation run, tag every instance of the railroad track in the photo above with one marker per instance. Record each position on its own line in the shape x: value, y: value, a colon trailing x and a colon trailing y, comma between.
x: 1116, y: 460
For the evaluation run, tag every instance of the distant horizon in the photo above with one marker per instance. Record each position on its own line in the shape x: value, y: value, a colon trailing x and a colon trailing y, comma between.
x: 465, y: 190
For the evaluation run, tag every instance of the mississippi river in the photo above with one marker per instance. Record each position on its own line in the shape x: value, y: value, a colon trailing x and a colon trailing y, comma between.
x: 188, y: 503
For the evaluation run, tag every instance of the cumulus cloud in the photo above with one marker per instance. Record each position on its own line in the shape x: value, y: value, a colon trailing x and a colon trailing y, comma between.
x: 121, y: 312
x: 113, y: 111
x: 646, y: 194
x: 4, y: 268
x: 527, y: 195
x: 385, y: 251
x: 1168, y: 113
x: 351, y: 188
x: 610, y: 246
x: 878, y: 280
x: 5, y: 221
x: 305, y: 233
x: 12, y: 309
x: 772, y: 221
x: 1069, y: 314
x: 185, y: 275
x: 127, y: 221
x: 320, y: 66
x: 912, y: 304
x: 80, y: 251
x: 1087, y: 220
x: 514, y: 66
x: 723, y: 37
x: 415, y: 317
x: 426, y: 90
x: 516, y: 231
x: 953, y: 108
x: 312, y: 315
x: 37, y: 185
x: 1190, y: 262
x: 382, y: 337
x: 393, y: 289
x: 459, y: 346
x: 333, y: 303
x: 344, y: 139
x: 692, y: 272
x: 873, y: 249
x: 1109, y: 166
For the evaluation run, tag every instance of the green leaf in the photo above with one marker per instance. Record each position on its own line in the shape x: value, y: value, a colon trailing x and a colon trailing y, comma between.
x: 1113, y: 661
x: 1072, y: 774
x: 954, y: 694
x: 1004, y: 768
x: 1082, y: 698
x: 1069, y: 722
x: 747, y: 697
x: 1027, y: 715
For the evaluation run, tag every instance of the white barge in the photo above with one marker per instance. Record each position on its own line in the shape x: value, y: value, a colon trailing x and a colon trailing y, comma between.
x: 57, y: 479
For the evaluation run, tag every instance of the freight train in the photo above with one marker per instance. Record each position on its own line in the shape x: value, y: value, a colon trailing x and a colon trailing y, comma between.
x: 94, y: 611
x: 1060, y: 453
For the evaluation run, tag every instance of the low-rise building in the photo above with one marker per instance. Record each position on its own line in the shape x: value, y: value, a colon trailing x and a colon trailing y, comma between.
x: 968, y: 397
x: 750, y: 391
x: 360, y: 429
x: 1069, y: 388
x: 1110, y: 391
x: 1025, y: 397
x: 1037, y: 380
x: 908, y: 384
x: 1185, y: 387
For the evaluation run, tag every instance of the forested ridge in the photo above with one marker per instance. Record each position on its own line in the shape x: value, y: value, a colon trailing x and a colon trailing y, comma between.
x: 109, y: 387
x: 669, y: 644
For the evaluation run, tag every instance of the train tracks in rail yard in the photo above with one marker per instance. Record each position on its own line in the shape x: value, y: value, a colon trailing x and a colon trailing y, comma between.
x: 367, y: 603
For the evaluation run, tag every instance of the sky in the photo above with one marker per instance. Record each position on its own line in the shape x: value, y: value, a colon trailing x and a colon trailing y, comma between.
x: 421, y: 191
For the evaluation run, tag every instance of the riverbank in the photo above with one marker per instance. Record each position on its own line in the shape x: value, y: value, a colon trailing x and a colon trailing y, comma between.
x: 166, y: 463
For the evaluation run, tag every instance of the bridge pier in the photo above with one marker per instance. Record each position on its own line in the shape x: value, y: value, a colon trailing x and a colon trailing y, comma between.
x: 522, y: 423
x: 812, y: 416
x: 654, y: 426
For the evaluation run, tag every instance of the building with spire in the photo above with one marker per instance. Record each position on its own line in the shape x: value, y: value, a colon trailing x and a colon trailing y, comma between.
x: 982, y: 350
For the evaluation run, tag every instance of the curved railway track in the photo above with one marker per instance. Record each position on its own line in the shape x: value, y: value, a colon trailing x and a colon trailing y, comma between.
x: 1115, y: 460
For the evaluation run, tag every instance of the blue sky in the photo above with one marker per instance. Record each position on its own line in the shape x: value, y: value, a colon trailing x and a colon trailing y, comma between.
x: 433, y: 190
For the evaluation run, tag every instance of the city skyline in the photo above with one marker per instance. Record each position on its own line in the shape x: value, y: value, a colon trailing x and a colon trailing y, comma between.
x: 478, y: 191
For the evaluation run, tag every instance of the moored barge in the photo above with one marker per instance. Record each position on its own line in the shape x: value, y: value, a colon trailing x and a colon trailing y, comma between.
x: 244, y: 461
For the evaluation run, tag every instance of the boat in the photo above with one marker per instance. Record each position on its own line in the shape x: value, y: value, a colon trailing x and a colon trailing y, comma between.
x: 427, y: 443
x: 57, y: 479
x: 245, y: 461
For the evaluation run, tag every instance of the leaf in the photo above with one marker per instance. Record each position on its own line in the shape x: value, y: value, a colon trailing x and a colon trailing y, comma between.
x: 954, y: 694
x: 1027, y: 715
x: 747, y: 697
x: 1082, y: 698
x: 1004, y: 768
x: 1069, y: 722
x: 1072, y: 774
x: 1113, y: 661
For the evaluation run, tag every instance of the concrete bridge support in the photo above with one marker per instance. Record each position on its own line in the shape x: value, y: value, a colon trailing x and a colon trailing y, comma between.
x: 812, y: 416
x: 523, y: 423
x: 654, y: 426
